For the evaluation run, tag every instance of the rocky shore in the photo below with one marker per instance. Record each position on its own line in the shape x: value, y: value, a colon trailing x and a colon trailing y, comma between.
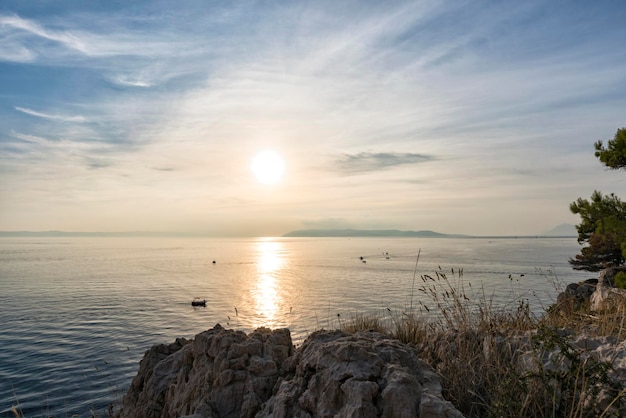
x: 596, y: 292
x: 224, y: 373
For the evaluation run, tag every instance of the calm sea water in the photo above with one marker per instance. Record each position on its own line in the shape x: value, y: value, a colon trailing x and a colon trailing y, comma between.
x: 78, y: 313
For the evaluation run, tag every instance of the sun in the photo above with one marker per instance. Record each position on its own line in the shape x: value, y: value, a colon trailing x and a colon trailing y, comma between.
x: 268, y: 167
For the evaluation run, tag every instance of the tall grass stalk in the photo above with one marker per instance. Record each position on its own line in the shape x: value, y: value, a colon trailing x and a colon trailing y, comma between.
x: 504, y: 362
x: 413, y: 283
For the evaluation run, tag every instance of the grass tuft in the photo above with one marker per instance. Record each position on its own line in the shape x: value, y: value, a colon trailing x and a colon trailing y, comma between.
x: 506, y: 362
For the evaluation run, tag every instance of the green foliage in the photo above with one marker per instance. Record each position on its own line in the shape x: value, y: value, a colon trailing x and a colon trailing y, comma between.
x: 614, y: 155
x: 573, y: 383
x: 620, y: 280
x: 603, y: 218
x: 603, y: 228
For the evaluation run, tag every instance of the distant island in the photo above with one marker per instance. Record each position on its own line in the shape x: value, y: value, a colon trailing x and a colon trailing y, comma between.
x: 61, y: 234
x: 561, y: 231
x: 369, y: 233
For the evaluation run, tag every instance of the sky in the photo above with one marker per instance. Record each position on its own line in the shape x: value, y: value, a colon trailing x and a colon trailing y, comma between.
x: 466, y: 117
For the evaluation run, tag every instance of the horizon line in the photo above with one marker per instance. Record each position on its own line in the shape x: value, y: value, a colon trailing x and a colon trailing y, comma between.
x: 103, y: 234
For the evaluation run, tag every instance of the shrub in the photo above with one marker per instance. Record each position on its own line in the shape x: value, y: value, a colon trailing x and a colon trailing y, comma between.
x: 620, y: 280
x: 570, y: 383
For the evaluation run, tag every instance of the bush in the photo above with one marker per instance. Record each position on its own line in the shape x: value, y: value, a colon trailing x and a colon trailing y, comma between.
x: 567, y: 382
x: 620, y: 280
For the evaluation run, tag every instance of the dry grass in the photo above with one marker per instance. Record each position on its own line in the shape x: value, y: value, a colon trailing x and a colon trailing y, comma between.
x: 361, y: 322
x: 16, y: 411
x: 493, y: 361
x: 610, y: 321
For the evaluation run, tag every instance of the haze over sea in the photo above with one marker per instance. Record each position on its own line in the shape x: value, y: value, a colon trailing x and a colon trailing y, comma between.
x: 78, y: 313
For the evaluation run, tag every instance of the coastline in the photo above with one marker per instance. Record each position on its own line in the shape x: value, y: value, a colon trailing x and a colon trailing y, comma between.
x: 560, y: 363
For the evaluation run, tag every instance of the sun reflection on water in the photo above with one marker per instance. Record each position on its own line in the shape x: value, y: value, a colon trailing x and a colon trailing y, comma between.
x: 266, y: 292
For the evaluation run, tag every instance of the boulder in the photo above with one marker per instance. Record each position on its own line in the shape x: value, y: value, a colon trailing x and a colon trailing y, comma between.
x: 221, y: 373
x: 576, y: 295
x: 147, y: 391
x: 226, y: 373
x: 358, y: 375
x: 606, y: 292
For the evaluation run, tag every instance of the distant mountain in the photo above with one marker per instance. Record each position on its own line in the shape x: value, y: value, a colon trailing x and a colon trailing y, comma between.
x: 60, y: 234
x: 562, y: 230
x: 367, y: 233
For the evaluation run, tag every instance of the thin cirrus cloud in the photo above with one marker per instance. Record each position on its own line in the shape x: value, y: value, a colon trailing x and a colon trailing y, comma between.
x: 369, y: 161
x: 110, y: 44
x: 14, y: 26
x: 501, y: 99
x: 31, y: 139
x: 129, y: 80
x: 56, y: 117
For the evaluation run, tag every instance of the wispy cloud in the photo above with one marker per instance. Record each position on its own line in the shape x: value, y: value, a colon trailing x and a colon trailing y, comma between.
x: 62, y: 118
x: 329, y: 223
x: 53, y: 152
x: 65, y: 38
x: 113, y: 44
x: 33, y: 139
x: 97, y: 163
x: 16, y: 53
x: 442, y: 101
x: 368, y: 161
x: 129, y: 80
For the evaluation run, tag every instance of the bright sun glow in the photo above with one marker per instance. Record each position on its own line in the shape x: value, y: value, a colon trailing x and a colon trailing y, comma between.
x: 268, y: 167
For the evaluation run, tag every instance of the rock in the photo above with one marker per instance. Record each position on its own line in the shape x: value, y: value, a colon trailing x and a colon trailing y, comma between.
x: 361, y: 375
x: 606, y: 292
x: 595, y: 292
x: 605, y: 349
x: 225, y: 373
x: 222, y: 373
x: 576, y: 295
x: 147, y: 389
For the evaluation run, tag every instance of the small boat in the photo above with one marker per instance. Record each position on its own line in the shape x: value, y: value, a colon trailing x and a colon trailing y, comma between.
x: 198, y: 302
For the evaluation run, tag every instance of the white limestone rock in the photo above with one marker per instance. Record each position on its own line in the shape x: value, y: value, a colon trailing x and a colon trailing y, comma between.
x: 227, y: 374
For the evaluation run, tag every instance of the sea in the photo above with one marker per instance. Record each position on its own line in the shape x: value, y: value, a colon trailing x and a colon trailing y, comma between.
x: 78, y: 313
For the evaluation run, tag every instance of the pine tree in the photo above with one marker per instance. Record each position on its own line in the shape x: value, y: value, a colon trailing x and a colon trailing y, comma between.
x: 603, y: 218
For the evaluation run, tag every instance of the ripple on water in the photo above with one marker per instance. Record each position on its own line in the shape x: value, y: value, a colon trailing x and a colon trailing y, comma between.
x: 78, y: 314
